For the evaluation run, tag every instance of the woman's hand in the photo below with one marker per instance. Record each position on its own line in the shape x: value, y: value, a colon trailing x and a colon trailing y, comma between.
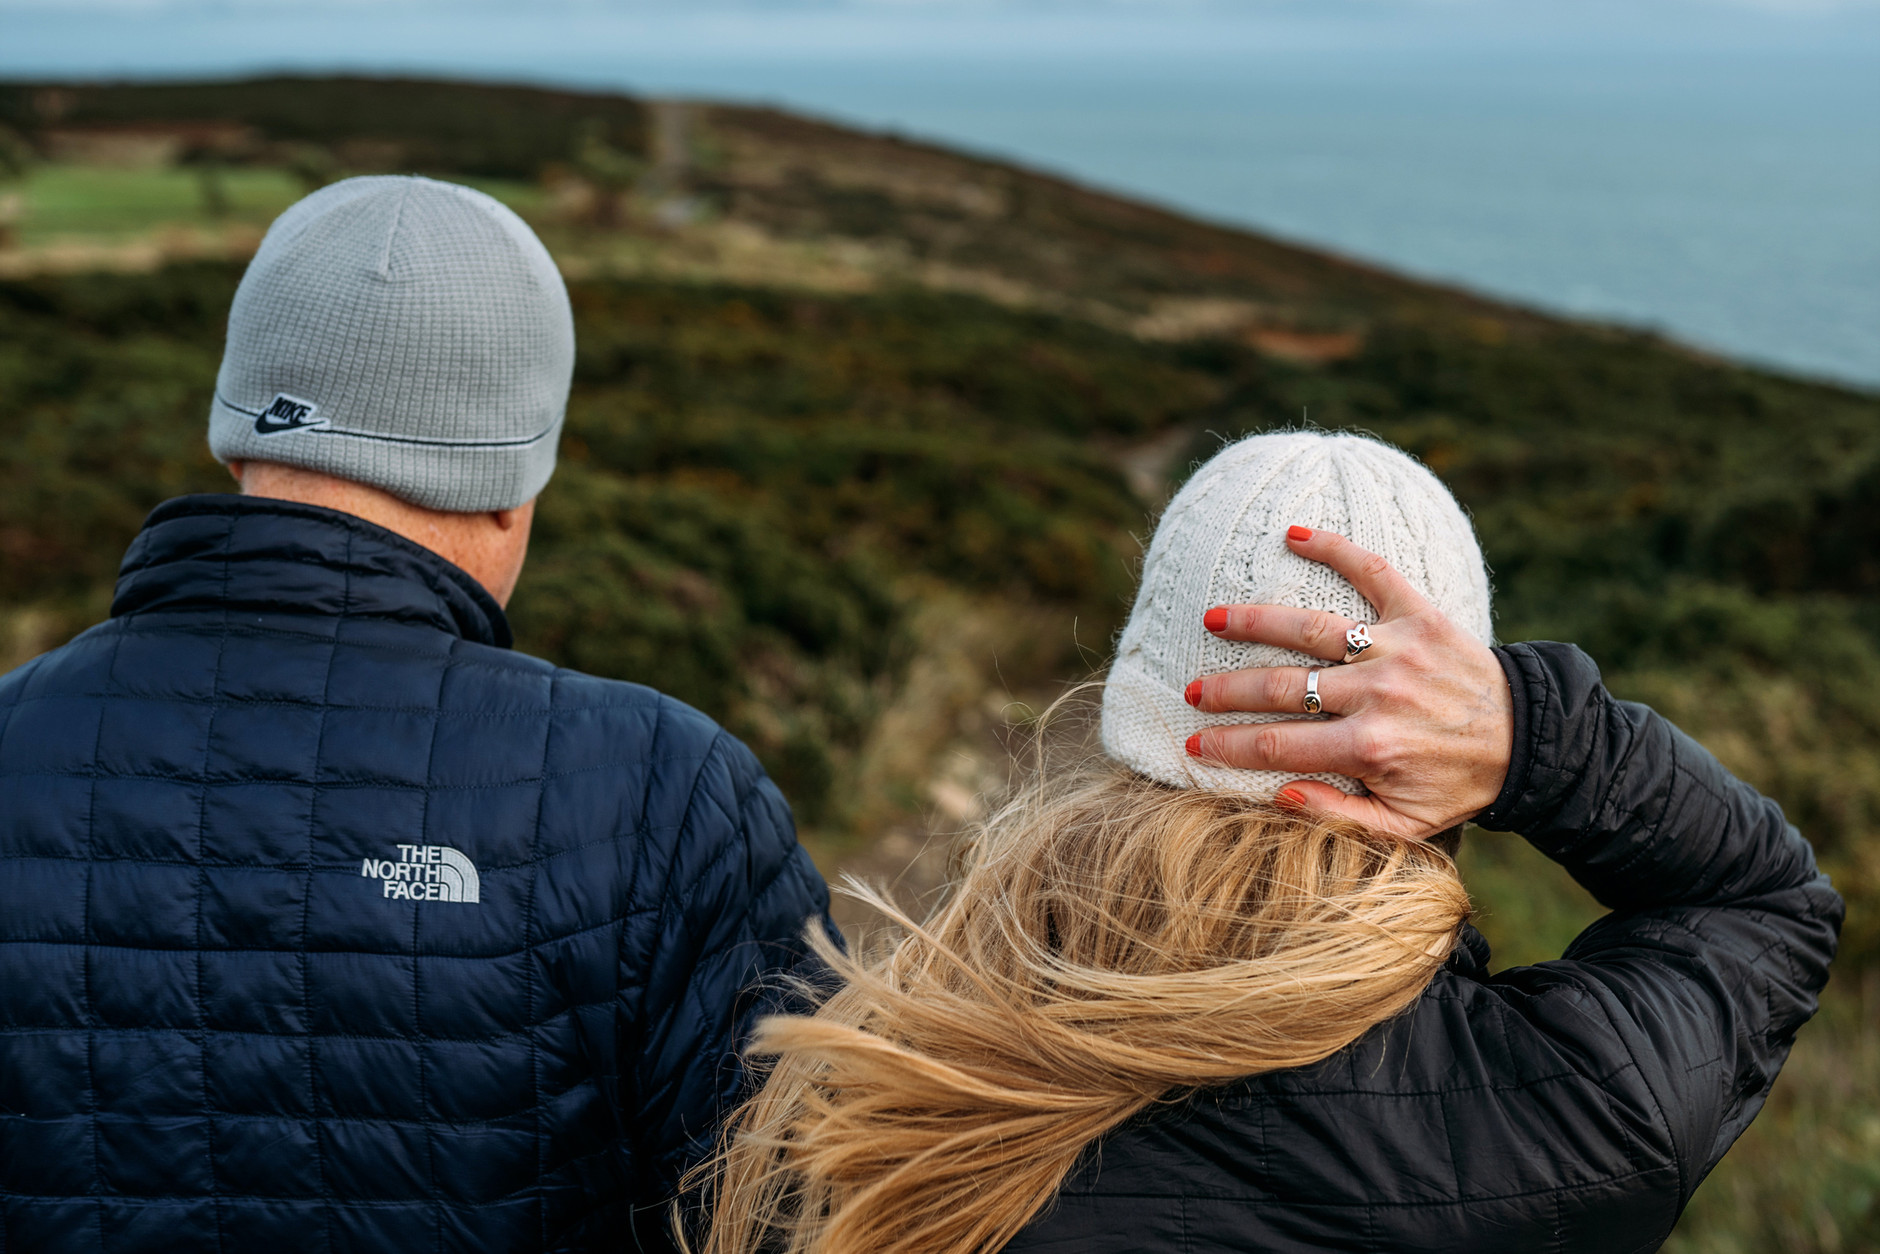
x: 1426, y: 720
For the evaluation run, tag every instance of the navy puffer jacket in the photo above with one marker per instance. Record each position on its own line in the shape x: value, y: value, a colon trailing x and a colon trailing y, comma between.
x: 328, y: 923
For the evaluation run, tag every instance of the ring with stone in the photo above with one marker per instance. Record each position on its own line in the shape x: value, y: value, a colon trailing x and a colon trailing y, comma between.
x: 1313, y: 704
x: 1357, y: 640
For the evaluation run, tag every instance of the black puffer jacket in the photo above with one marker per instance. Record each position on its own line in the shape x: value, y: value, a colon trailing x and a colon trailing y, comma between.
x: 1565, y: 1108
x: 329, y: 923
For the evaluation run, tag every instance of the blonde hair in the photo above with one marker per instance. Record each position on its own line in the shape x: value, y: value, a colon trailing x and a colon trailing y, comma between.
x: 1111, y: 943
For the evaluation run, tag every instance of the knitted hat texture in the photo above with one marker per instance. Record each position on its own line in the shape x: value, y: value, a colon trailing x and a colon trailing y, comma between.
x: 1222, y: 542
x: 404, y: 333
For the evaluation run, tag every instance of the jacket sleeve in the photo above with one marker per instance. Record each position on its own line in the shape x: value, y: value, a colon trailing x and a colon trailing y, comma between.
x: 1722, y: 926
x: 738, y: 898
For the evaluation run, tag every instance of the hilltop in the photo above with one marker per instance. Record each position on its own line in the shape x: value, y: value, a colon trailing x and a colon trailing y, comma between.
x: 902, y: 209
x: 865, y: 432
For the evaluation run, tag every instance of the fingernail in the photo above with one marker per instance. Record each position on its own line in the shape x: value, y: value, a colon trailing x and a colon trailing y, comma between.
x: 1194, y: 746
x: 1289, y: 799
x: 1215, y: 619
x: 1193, y: 695
x: 1298, y: 533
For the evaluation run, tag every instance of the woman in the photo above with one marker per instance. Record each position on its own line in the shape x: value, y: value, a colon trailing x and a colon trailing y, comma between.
x: 1191, y: 1001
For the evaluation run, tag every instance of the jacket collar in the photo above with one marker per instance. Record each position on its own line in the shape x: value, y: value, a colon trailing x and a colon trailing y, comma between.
x: 256, y: 555
x: 1471, y: 955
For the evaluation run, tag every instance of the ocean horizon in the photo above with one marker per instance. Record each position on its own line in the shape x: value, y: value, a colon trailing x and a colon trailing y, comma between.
x: 1725, y: 193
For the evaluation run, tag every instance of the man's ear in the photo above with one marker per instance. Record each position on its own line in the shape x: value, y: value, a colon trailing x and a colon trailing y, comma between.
x: 235, y: 470
x: 510, y: 519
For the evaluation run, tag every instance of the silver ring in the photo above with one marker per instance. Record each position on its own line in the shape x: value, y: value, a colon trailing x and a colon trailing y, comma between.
x: 1357, y: 640
x: 1313, y: 704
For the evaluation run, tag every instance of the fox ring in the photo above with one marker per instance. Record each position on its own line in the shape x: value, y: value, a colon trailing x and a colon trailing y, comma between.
x: 1357, y: 640
x: 1313, y: 704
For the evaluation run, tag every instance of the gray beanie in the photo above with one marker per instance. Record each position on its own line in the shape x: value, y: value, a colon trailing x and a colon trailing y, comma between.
x: 1222, y: 541
x: 403, y: 333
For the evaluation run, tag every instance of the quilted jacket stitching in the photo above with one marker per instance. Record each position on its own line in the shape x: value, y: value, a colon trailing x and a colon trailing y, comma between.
x: 492, y: 714
x: 658, y: 1020
x: 1455, y: 1149
x: 417, y: 923
x: 376, y: 784
x: 327, y: 1192
x: 481, y: 956
x: 202, y: 820
x: 306, y: 978
x: 759, y: 896
x: 1199, y: 1195
x: 1387, y: 1204
x: 363, y: 1203
x: 528, y: 992
x: 1657, y: 1111
x: 91, y: 1035
x: 280, y: 623
x: 26, y: 674
x: 630, y: 1078
x: 1636, y: 817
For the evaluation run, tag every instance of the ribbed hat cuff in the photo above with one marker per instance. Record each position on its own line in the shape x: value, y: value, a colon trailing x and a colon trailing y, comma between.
x: 461, y: 478
x: 1146, y: 726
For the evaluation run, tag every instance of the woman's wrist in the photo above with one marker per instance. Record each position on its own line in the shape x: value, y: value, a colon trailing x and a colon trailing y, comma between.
x: 1522, y: 694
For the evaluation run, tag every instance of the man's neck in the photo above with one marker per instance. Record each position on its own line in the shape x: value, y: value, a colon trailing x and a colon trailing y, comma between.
x: 489, y: 546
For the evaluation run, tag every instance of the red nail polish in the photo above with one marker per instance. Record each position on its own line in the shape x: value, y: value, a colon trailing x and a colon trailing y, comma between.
x: 1194, y: 746
x: 1298, y: 533
x: 1215, y: 620
x: 1289, y: 799
x: 1193, y: 695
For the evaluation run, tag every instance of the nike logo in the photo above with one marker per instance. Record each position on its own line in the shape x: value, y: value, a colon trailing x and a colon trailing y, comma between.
x: 287, y: 413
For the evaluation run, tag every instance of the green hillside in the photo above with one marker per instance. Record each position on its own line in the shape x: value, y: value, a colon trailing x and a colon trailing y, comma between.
x: 864, y: 435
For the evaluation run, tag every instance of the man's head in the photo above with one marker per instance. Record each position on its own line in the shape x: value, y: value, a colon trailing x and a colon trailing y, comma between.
x: 401, y: 349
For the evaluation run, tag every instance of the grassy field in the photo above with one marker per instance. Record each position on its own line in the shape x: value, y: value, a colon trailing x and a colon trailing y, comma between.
x: 93, y: 202
x: 864, y: 434
x: 98, y: 204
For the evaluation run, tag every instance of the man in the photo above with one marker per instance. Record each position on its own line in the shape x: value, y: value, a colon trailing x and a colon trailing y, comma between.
x: 327, y: 922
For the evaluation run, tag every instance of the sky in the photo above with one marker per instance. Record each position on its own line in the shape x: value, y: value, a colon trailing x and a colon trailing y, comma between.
x: 75, y: 34
x: 611, y: 43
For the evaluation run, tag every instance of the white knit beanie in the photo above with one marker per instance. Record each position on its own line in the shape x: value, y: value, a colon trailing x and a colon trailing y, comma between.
x: 404, y: 333
x: 1223, y: 542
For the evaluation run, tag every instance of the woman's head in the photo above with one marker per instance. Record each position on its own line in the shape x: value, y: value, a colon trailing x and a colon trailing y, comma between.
x: 1119, y: 937
x: 1221, y: 542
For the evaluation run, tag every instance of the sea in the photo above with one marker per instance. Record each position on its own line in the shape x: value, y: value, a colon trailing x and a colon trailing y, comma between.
x: 1714, y: 175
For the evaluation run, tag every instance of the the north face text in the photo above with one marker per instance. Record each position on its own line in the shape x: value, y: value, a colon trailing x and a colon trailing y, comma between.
x: 426, y: 873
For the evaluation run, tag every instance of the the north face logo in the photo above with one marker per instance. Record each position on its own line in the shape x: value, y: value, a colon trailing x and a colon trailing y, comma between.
x: 426, y: 873
x: 287, y: 413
